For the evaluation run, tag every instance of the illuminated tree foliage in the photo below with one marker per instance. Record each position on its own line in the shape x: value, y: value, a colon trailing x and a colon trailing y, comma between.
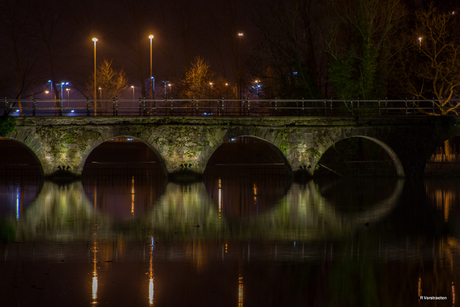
x: 360, y: 38
x: 112, y: 83
x: 197, y: 80
x: 429, y: 69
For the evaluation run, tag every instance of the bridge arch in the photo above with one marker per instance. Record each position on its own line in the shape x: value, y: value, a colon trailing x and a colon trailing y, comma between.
x: 393, y: 156
x: 93, y: 144
x: 229, y: 137
x: 29, y: 148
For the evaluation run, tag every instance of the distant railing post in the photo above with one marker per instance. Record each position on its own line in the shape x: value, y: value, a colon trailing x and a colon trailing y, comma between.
x: 115, y: 106
x: 60, y: 107
x: 405, y: 104
x: 379, y: 106
x: 34, y: 107
x: 88, y: 107
x: 140, y: 106
x: 223, y: 105
x: 386, y: 106
x: 143, y: 106
x: 357, y: 106
x: 303, y: 106
x: 351, y: 102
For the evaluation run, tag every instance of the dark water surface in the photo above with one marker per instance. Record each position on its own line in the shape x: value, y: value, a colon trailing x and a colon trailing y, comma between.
x: 235, y: 239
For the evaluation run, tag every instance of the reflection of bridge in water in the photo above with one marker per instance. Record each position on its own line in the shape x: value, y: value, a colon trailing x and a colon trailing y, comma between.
x: 187, y: 212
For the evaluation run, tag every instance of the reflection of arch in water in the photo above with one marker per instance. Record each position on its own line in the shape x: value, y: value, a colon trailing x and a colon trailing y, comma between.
x: 124, y: 196
x: 59, y: 213
x: 397, y: 163
x: 247, y: 193
x: 305, y: 214
x: 184, y: 211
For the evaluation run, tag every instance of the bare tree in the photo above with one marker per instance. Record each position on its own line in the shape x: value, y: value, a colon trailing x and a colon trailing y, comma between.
x: 359, y: 42
x: 17, y: 59
x: 430, y: 66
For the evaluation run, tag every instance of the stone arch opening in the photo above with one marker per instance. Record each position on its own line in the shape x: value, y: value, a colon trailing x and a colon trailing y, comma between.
x: 247, y: 152
x: 445, y: 159
x: 19, y: 160
x: 123, y: 154
x: 359, y: 156
x: 246, y: 175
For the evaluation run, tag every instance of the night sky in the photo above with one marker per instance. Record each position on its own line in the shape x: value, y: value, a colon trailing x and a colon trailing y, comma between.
x: 51, y: 40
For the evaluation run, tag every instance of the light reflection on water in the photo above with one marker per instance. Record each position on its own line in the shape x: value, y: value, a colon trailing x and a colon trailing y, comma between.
x: 227, y: 240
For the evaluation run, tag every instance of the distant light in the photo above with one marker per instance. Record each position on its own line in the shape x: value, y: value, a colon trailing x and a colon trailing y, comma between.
x: 73, y: 111
x: 226, y: 84
x: 132, y: 86
x: 129, y: 139
x: 17, y: 111
x: 67, y: 83
x: 150, y: 36
x: 294, y: 73
x: 94, y: 39
x: 47, y: 92
x: 240, y: 34
x: 49, y: 81
x: 233, y: 140
x: 205, y: 114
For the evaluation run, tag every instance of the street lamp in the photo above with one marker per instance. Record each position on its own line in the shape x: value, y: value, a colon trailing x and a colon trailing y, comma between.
x: 51, y: 86
x: 420, y: 40
x: 239, y: 81
x: 68, y: 93
x: 100, y: 92
x: 151, y: 77
x: 132, y: 86
x: 61, y: 94
x: 95, y: 85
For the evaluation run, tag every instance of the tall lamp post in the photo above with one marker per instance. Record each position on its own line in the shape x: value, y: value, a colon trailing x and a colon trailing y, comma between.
x: 240, y: 35
x: 95, y: 85
x: 151, y: 77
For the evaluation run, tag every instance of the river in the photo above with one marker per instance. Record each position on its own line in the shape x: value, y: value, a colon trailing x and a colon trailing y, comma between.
x: 235, y: 238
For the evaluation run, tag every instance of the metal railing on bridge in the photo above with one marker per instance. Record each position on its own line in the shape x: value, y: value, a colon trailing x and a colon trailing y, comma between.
x: 220, y: 107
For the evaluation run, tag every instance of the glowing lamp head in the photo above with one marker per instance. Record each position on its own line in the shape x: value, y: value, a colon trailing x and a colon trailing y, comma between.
x: 132, y: 86
x: 240, y: 34
x: 94, y: 39
x: 150, y: 36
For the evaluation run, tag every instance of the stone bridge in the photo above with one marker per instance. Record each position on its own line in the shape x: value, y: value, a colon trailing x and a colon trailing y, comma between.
x: 178, y: 141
